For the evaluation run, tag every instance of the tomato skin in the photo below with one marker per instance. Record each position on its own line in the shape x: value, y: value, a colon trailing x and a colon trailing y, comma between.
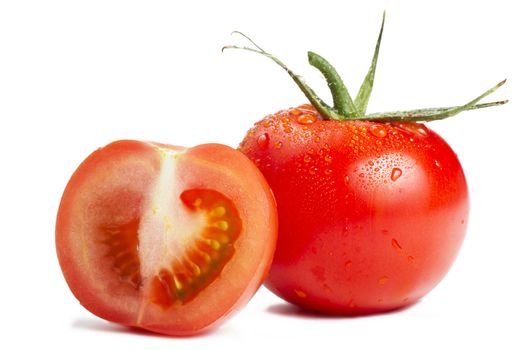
x: 371, y: 215
x: 115, y: 184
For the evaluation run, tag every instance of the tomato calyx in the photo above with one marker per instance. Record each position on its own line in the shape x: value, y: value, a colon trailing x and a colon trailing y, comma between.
x: 345, y: 108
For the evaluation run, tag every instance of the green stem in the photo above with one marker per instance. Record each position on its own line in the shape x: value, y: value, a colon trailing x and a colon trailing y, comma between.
x: 430, y: 114
x: 326, y: 111
x: 345, y: 108
x: 343, y: 103
x: 361, y: 101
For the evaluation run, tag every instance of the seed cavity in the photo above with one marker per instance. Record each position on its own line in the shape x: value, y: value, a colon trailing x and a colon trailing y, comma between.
x: 122, y: 244
x: 204, y: 260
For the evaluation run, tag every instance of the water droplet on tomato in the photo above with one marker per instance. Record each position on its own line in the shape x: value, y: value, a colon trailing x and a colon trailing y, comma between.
x: 317, y: 139
x: 422, y: 130
x: 263, y: 141
x: 328, y: 171
x: 300, y: 293
x: 378, y: 131
x: 396, y: 245
x: 347, y: 179
x: 348, y: 264
x: 306, y: 119
x: 295, y: 111
x: 307, y: 159
x: 313, y: 170
x: 279, y: 145
x: 382, y: 280
x: 328, y: 158
x: 396, y: 174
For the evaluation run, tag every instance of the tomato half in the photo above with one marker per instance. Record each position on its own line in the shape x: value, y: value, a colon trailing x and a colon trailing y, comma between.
x: 371, y: 215
x: 165, y: 238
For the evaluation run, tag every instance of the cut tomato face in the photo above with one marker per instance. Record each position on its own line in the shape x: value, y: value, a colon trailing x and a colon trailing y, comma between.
x: 165, y: 238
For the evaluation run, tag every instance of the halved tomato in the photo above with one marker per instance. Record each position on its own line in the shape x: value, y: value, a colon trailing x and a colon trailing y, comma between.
x: 165, y: 238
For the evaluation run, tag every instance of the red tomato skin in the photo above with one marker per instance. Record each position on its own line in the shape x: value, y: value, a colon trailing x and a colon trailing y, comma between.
x: 371, y: 215
x: 212, y: 166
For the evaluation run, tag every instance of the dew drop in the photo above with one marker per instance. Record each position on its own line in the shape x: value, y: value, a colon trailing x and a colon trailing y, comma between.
x: 378, y: 131
x: 328, y: 158
x: 361, y: 174
x: 328, y: 171
x: 396, y: 245
x: 263, y: 141
x: 396, y: 174
x: 287, y: 130
x: 295, y: 111
x: 306, y: 119
x: 422, y: 130
x: 382, y: 280
x: 347, y: 179
x: 307, y: 159
x: 313, y: 170
x: 300, y: 293
x: 285, y: 120
x: 279, y: 145
x: 317, y: 139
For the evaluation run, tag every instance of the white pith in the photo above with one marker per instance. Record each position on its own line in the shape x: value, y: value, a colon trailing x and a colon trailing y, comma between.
x: 167, y: 226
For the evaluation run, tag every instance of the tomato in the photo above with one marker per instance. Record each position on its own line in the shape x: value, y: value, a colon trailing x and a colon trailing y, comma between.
x: 371, y: 215
x: 165, y: 238
x: 373, y: 208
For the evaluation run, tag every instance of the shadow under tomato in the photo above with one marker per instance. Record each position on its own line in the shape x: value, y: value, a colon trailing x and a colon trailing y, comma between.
x: 97, y: 325
x: 290, y: 310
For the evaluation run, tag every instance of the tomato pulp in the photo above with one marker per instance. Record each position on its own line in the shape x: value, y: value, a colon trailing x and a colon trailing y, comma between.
x: 371, y: 215
x: 165, y: 238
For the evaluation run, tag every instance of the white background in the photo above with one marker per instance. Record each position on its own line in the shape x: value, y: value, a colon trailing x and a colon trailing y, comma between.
x: 76, y: 75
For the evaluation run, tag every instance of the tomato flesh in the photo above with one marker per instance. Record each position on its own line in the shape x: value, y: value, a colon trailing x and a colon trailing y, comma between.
x: 165, y: 238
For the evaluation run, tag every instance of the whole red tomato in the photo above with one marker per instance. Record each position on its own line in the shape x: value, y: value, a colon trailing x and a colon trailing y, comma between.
x: 371, y: 215
x: 372, y: 208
